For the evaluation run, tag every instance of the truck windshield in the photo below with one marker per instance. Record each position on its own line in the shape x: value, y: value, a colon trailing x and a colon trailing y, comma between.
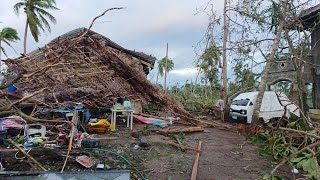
x: 241, y: 102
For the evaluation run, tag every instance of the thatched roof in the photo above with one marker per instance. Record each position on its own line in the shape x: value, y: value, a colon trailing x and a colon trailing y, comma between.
x: 91, y: 71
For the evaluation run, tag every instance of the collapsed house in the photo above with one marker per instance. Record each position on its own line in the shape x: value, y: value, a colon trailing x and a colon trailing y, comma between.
x: 84, y: 66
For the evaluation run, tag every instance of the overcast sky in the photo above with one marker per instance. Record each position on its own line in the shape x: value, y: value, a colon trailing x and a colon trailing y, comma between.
x: 143, y: 25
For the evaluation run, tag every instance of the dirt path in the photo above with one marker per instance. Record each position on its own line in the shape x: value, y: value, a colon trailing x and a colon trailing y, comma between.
x: 227, y: 155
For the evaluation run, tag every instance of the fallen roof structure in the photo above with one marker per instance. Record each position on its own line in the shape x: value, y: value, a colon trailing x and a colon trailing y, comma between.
x: 84, y: 66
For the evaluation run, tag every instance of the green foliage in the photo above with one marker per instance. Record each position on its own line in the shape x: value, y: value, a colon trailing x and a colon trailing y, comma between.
x: 272, y: 177
x: 146, y: 131
x: 244, y: 75
x: 306, y: 161
x: 275, y: 14
x: 208, y: 64
x: 259, y: 138
x: 162, y: 66
x: 278, y: 146
x: 195, y: 97
x: 7, y: 35
x: 37, y: 15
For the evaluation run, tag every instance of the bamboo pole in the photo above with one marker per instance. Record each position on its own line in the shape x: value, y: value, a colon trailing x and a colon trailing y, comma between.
x: 196, y: 163
x: 28, y: 155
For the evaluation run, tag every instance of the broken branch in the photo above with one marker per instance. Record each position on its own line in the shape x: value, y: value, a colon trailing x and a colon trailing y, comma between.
x: 26, y: 154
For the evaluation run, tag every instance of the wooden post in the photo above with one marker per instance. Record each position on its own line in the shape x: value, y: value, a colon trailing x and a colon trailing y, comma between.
x: 196, y: 163
x: 166, y: 69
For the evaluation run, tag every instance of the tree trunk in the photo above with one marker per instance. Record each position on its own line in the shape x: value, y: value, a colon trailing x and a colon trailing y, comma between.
x: 157, y: 78
x: 0, y: 53
x: 224, y: 55
x: 194, y: 87
x: 166, y: 70
x: 297, y: 65
x: 263, y: 83
x: 25, y: 38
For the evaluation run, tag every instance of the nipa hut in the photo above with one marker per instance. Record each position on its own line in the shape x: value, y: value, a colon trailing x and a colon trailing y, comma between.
x: 84, y: 66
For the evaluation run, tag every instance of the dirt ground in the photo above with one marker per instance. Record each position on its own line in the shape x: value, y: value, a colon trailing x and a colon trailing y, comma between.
x: 222, y: 157
x: 225, y: 155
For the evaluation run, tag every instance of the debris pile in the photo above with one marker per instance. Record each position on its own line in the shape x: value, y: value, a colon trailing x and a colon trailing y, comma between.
x: 62, y: 93
x: 93, y: 71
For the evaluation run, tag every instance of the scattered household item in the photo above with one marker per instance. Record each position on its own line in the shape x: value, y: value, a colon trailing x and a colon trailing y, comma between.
x: 90, y: 143
x: 128, y: 112
x: 127, y: 104
x: 29, y: 144
x: 101, y: 126
x: 84, y: 119
x: 142, y: 119
x: 272, y: 106
x: 78, y: 105
x: 12, y: 122
x: 118, y: 106
x: 295, y: 170
x: 314, y: 114
x: 34, y: 129
x: 136, y: 147
x: 11, y: 89
x: 85, y: 161
x: 159, y: 122
x: 100, y: 166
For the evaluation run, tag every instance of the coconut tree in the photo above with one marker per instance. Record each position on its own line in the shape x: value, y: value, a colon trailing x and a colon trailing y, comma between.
x: 7, y: 35
x: 162, y: 67
x: 37, y: 14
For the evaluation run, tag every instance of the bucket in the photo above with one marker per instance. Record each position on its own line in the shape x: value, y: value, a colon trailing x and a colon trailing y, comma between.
x: 314, y: 114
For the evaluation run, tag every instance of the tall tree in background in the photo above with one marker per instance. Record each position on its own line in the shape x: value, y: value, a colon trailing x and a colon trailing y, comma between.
x: 208, y: 64
x: 37, y: 14
x: 7, y: 35
x: 162, y: 67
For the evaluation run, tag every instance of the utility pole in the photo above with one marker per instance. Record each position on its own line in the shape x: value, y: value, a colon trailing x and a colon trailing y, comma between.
x: 223, y: 90
x: 166, y: 69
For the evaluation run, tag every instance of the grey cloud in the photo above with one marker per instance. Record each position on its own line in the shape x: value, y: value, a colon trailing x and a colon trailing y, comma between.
x: 144, y: 26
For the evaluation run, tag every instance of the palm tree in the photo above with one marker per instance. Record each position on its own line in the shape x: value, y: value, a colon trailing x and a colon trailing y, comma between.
x: 36, y: 17
x: 162, y: 67
x: 7, y: 35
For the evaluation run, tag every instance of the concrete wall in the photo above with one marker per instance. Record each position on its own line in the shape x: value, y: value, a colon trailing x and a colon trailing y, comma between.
x: 315, y: 44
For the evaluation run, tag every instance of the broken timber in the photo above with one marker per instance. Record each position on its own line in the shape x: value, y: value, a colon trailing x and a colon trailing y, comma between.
x: 181, y: 129
x: 28, y: 155
x: 196, y: 163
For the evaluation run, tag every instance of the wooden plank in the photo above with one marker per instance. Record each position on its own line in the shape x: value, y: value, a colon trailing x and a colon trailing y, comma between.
x: 196, y: 163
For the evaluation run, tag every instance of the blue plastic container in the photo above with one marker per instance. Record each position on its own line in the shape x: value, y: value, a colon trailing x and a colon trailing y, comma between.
x: 11, y: 88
